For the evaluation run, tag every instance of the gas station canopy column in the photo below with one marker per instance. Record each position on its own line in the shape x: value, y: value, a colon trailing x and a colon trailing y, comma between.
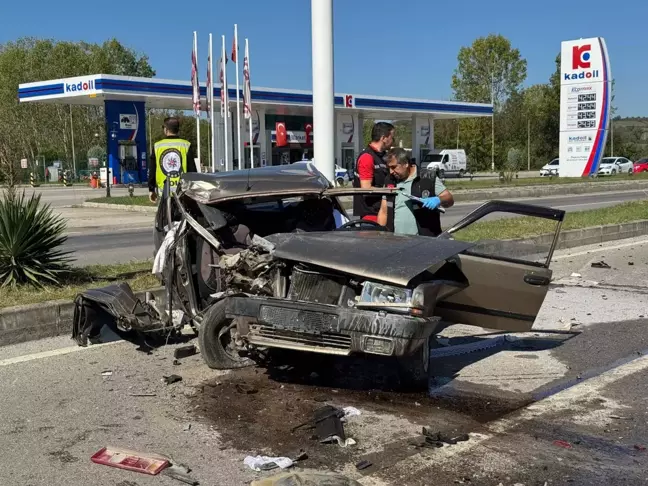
x: 125, y: 100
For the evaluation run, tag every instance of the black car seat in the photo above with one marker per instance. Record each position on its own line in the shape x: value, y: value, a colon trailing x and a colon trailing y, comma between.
x: 315, y: 214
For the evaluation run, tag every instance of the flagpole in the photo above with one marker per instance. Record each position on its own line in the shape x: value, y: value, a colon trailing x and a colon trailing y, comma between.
x: 225, y: 107
x: 247, y: 57
x: 211, y: 104
x: 198, y: 112
x: 238, y: 106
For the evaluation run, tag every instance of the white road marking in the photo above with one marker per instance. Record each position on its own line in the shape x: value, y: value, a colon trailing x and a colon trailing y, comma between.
x: 54, y: 352
x: 603, y: 248
x: 561, y: 401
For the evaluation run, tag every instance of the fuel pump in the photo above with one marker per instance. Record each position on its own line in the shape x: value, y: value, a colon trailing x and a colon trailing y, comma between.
x: 128, y: 162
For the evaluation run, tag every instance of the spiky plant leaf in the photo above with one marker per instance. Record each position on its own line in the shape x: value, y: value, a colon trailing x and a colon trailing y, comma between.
x: 31, y: 238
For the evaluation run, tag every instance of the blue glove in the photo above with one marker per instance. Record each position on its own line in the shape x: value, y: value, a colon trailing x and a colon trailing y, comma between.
x: 431, y: 202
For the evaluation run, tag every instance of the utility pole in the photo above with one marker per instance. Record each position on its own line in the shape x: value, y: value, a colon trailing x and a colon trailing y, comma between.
x: 493, y: 122
x: 528, y: 143
x: 458, y: 134
x: 73, y: 153
x: 323, y: 97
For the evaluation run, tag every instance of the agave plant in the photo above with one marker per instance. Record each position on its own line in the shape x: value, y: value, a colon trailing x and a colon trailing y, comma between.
x: 31, y: 237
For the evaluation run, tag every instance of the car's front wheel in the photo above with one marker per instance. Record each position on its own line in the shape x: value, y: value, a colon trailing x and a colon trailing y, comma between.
x: 215, y: 339
x: 614, y: 172
x: 462, y: 173
x: 340, y: 181
x: 414, y: 369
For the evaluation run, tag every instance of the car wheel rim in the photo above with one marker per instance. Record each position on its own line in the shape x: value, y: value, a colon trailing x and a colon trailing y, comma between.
x: 225, y: 340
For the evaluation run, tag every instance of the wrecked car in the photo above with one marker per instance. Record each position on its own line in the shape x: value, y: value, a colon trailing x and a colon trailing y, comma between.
x: 269, y: 258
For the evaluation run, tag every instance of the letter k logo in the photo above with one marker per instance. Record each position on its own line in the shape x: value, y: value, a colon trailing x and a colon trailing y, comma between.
x: 581, y: 57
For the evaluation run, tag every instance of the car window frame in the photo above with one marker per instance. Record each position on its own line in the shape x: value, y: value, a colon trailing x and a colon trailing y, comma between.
x: 522, y: 209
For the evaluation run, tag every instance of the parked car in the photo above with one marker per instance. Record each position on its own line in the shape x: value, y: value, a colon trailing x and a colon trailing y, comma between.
x: 258, y: 260
x: 551, y: 168
x: 446, y: 162
x: 641, y: 165
x: 615, y: 165
x: 341, y: 174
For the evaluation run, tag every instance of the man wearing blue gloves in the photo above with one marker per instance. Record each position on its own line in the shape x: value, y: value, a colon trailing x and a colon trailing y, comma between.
x: 413, y: 217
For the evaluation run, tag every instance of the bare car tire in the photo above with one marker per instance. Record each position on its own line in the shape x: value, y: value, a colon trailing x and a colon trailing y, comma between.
x: 215, y: 343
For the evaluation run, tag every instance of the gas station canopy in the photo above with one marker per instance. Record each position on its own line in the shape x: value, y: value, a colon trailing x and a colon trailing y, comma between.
x: 171, y: 94
x: 125, y: 100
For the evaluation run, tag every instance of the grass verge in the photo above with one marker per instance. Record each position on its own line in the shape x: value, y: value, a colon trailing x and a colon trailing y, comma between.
x: 523, y: 227
x: 137, y: 274
x: 465, y: 183
x: 125, y: 201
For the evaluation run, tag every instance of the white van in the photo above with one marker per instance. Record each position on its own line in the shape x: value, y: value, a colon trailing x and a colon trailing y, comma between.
x: 447, y: 162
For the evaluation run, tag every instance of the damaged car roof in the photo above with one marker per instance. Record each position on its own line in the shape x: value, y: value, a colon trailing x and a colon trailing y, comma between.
x: 275, y: 180
x: 375, y: 255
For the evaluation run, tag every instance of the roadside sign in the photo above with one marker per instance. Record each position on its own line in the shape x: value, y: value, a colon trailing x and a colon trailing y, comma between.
x: 23, y: 163
x: 93, y: 162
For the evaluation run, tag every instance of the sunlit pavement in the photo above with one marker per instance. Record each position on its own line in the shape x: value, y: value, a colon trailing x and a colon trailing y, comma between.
x: 564, y: 404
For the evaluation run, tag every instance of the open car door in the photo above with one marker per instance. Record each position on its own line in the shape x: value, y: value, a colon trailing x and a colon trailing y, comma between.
x: 508, y: 279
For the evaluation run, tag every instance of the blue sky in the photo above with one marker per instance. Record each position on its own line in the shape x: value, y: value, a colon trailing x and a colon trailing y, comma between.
x: 404, y: 48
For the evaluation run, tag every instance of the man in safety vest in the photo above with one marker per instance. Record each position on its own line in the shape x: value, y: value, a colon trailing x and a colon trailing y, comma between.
x: 171, y: 157
x: 371, y: 171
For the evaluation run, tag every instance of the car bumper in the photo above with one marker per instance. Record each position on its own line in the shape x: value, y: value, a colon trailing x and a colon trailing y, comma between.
x: 327, y: 329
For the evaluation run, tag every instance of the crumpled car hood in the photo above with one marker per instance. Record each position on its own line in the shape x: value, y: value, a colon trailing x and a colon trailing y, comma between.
x: 374, y: 255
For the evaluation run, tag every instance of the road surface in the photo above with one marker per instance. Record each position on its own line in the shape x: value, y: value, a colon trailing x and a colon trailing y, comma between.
x: 562, y: 405
x: 133, y: 239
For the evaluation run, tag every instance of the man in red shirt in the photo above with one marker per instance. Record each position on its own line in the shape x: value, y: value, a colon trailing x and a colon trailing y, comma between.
x: 371, y: 171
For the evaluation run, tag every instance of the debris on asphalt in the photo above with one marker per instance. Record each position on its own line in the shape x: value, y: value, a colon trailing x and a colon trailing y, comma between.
x: 600, y: 264
x: 290, y: 479
x: 180, y: 473
x: 142, y: 394
x: 562, y: 443
x: 176, y: 362
x: 576, y: 275
x: 630, y: 263
x: 151, y: 464
x: 328, y: 424
x: 341, y: 442
x: 185, y: 351
x: 169, y: 380
x: 246, y: 389
x: 187, y: 428
x: 640, y: 447
x: 363, y: 465
x: 351, y: 412
x: 106, y: 373
x: 433, y: 436
x: 265, y: 463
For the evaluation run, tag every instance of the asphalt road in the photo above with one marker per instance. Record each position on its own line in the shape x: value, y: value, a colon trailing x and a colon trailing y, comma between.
x: 127, y: 244
x: 545, y: 407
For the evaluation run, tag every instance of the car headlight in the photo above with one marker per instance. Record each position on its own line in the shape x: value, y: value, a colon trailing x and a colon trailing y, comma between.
x: 375, y: 293
x: 389, y: 297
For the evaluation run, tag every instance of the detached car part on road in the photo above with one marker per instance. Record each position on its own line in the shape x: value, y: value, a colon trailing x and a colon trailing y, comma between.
x: 267, y: 259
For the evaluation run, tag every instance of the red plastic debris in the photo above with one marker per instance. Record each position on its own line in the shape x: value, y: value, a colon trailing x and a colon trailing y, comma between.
x: 562, y: 443
x: 130, y: 460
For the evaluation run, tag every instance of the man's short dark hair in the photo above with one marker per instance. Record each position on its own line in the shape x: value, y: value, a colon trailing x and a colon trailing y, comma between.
x: 401, y: 155
x: 172, y: 124
x: 380, y: 130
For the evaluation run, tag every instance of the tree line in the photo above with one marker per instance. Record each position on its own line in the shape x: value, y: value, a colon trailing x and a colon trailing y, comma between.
x: 526, y: 118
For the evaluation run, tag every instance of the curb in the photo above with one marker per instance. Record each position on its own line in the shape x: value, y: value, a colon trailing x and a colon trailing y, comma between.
x: 120, y: 207
x: 30, y: 322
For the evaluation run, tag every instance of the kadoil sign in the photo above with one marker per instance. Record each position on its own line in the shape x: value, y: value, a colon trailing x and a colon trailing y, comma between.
x: 80, y: 86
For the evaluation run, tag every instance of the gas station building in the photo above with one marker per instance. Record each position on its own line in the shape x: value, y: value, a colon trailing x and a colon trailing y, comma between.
x: 125, y: 100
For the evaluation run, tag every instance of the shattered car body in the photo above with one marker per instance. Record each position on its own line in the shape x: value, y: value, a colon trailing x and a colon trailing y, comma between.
x: 268, y: 259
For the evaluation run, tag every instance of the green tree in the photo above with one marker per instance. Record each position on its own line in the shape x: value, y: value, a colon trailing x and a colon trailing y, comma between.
x: 488, y: 70
x: 31, y: 130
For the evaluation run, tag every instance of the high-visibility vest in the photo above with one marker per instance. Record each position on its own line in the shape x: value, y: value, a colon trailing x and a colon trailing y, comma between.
x: 171, y: 160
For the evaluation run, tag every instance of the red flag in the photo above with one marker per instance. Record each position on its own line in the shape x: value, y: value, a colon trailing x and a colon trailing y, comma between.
x: 281, y: 134
x: 210, y: 88
x: 247, y: 94
x: 308, y: 128
x: 234, y: 49
x: 194, y: 82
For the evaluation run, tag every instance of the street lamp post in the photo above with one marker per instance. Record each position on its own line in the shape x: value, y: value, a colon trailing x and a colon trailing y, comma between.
x: 323, y: 97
